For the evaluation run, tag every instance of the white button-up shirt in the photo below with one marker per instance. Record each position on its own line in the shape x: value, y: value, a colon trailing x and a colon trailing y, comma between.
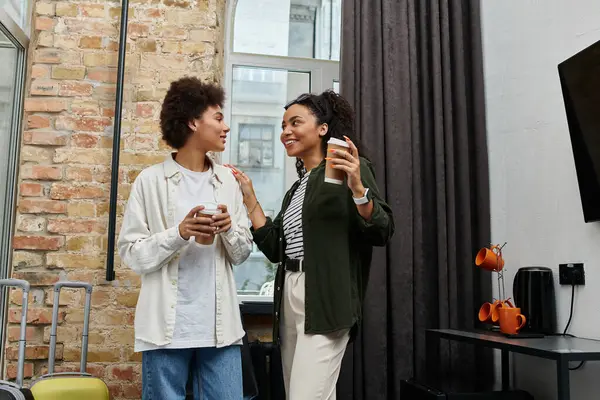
x: 149, y: 243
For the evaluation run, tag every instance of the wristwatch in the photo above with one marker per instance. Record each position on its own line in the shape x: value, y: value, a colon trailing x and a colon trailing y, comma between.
x: 361, y: 200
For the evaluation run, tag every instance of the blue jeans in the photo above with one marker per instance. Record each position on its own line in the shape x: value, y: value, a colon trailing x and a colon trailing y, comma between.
x: 216, y: 372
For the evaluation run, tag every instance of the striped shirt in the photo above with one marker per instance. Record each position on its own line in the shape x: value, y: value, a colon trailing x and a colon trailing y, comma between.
x: 292, y: 222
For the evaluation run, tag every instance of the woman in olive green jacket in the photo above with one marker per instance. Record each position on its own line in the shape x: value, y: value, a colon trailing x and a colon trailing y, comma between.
x: 322, y: 240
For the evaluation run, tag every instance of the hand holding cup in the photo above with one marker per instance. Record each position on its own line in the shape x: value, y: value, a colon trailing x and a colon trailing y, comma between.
x: 343, y: 159
x: 197, y: 224
x: 221, y: 221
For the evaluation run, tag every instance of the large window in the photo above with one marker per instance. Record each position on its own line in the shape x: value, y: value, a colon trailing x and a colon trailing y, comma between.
x: 296, y: 28
x: 13, y: 44
x: 275, y: 51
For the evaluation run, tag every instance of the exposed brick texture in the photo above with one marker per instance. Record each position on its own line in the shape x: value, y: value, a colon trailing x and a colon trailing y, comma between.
x: 64, y: 176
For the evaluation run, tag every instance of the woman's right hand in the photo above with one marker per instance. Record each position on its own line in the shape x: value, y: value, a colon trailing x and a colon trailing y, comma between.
x: 193, y: 225
x: 245, y: 183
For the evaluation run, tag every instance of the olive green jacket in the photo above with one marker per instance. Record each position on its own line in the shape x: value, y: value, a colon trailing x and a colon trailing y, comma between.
x: 338, y: 245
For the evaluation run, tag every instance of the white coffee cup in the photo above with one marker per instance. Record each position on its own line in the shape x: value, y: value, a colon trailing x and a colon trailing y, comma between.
x: 333, y: 175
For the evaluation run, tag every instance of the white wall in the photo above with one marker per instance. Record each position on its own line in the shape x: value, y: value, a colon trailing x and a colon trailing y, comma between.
x: 535, y: 199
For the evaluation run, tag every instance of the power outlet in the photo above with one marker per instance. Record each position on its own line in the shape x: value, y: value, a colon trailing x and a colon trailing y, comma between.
x: 571, y: 274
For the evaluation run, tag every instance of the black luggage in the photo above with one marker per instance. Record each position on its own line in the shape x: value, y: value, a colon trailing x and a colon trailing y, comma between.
x: 268, y: 370
x: 248, y: 375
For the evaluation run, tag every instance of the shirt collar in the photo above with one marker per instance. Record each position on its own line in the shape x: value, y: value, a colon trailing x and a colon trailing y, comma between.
x: 172, y: 171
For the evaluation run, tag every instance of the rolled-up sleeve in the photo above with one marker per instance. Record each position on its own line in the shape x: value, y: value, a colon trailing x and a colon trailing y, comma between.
x: 267, y: 239
x: 238, y: 240
x: 379, y: 229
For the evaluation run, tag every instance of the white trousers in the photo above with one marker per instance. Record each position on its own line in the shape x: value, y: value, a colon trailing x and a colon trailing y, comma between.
x: 311, y: 363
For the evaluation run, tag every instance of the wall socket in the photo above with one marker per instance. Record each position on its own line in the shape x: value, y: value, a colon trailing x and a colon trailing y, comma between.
x: 571, y: 274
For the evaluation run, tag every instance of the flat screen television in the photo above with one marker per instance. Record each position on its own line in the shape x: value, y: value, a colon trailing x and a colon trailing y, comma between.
x: 580, y: 82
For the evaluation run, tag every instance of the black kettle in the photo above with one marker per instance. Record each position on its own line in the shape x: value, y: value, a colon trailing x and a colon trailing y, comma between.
x: 533, y: 292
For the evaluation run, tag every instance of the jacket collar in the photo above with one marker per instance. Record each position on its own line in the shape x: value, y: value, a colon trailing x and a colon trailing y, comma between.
x: 172, y: 170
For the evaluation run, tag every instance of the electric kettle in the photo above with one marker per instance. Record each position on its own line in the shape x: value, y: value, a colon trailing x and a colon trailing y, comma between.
x: 533, y: 293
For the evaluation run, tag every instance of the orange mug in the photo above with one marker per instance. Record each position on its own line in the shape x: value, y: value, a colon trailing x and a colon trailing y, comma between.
x: 488, y: 313
x: 511, y: 320
x: 490, y: 259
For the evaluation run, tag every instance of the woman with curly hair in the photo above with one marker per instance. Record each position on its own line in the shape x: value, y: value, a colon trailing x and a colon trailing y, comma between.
x: 322, y: 240
x: 184, y: 226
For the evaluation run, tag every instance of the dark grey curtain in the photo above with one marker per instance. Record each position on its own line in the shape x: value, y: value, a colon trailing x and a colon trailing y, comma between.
x: 413, y: 71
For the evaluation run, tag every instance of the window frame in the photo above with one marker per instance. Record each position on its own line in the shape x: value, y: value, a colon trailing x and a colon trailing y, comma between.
x: 322, y: 73
x: 20, y: 41
x: 21, y: 30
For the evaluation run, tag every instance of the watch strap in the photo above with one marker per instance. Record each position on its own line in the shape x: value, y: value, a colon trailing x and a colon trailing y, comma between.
x: 362, y: 200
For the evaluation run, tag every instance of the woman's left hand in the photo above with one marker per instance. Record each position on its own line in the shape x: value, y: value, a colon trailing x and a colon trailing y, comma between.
x: 349, y: 162
x: 222, y: 221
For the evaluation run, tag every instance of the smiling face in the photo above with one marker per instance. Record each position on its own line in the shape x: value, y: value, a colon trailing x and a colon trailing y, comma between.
x: 209, y: 132
x: 301, y: 132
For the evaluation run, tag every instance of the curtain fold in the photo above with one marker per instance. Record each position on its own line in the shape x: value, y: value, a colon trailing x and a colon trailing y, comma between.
x: 413, y: 72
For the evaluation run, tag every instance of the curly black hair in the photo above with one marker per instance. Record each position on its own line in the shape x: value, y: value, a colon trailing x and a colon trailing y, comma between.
x: 332, y: 109
x: 186, y: 99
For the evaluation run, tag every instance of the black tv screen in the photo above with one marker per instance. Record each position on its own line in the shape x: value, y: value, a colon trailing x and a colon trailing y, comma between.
x: 580, y: 82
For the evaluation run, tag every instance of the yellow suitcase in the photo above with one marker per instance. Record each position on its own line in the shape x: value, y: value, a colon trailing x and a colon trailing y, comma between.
x: 70, y: 385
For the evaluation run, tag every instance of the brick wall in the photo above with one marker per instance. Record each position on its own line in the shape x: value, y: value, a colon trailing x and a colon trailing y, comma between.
x: 65, y: 160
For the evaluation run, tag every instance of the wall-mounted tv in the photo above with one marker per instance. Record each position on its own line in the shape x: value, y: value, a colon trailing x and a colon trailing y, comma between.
x: 580, y: 82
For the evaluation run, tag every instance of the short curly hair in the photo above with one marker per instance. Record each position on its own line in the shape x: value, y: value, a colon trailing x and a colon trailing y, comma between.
x: 186, y: 99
